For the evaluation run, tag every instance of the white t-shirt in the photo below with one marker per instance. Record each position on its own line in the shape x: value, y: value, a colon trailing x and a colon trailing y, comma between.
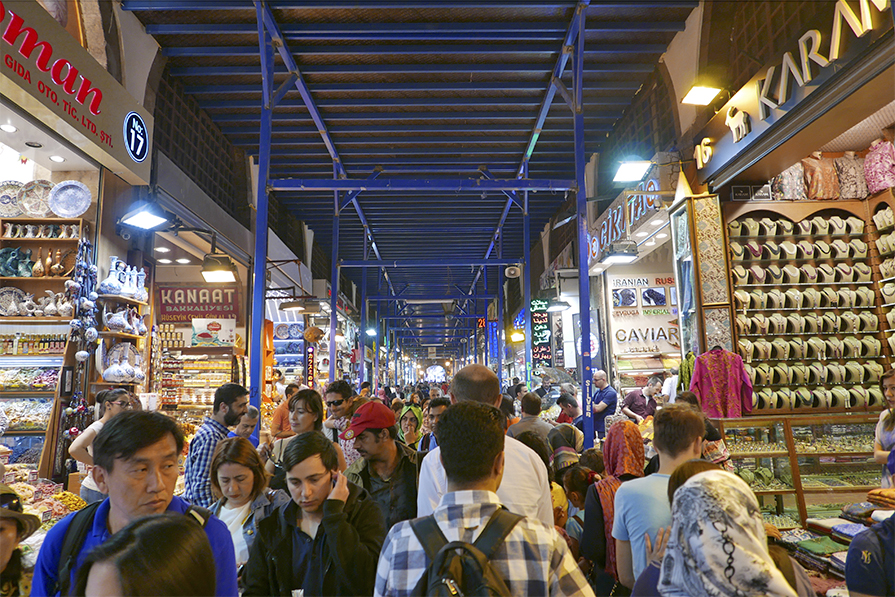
x: 523, y: 490
x: 88, y: 481
x: 233, y: 518
x: 669, y: 388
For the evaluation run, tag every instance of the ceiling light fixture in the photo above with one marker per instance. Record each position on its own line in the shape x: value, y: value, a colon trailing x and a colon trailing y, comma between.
x: 183, y: 261
x: 620, y: 252
x: 218, y: 268
x: 517, y: 337
x: 8, y: 128
x: 165, y: 261
x: 57, y: 158
x: 145, y: 215
x: 632, y: 170
x: 661, y: 235
x: 163, y: 249
x: 371, y: 331
x: 557, y: 305
x: 700, y: 95
x: 34, y: 144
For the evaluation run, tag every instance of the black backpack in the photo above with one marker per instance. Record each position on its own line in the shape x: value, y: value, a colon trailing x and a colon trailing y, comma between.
x: 459, y: 568
x: 76, y: 534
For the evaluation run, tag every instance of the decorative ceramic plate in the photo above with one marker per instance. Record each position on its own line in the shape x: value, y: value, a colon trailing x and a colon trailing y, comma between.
x: 281, y: 331
x: 70, y: 198
x: 9, y: 201
x: 295, y: 331
x: 120, y: 349
x: 34, y: 198
x: 8, y: 296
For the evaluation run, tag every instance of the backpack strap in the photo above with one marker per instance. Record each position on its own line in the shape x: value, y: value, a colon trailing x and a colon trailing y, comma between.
x: 200, y: 514
x: 74, y: 538
x: 496, y: 531
x: 429, y: 535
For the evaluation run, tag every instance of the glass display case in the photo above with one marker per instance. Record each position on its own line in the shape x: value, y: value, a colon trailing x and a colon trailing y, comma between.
x: 684, y: 270
x: 804, y: 466
x: 28, y: 380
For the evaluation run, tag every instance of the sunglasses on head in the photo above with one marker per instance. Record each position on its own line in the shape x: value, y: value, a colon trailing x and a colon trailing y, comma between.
x: 10, y: 501
x: 335, y: 403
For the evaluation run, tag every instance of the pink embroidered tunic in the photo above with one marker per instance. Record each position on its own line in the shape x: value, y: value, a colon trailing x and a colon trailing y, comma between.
x: 722, y: 384
x: 879, y: 166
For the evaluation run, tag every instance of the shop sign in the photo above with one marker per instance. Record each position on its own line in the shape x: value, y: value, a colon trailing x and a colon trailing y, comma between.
x: 610, y: 226
x: 213, y: 332
x: 542, y: 353
x: 789, y: 80
x: 185, y: 303
x: 493, y: 341
x: 47, y: 72
x: 311, y: 373
x: 643, y: 316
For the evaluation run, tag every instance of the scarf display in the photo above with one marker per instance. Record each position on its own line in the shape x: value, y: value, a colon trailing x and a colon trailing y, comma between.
x: 622, y: 455
x: 718, y: 545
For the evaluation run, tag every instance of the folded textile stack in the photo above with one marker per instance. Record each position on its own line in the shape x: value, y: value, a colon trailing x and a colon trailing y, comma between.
x: 789, y: 539
x: 846, y: 532
x: 882, y: 497
x: 837, y: 563
x: 859, y: 512
x: 824, y: 526
x: 813, y: 553
x: 881, y: 515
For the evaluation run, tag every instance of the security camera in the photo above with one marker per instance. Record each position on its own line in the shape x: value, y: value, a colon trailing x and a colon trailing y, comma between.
x: 124, y: 232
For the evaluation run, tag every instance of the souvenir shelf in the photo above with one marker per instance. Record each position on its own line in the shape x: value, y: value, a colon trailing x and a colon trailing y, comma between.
x: 189, y: 376
x: 53, y: 240
x: 808, y: 308
x: 795, y: 464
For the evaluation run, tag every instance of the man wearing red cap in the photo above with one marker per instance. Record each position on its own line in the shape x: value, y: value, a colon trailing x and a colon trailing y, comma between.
x: 387, y: 469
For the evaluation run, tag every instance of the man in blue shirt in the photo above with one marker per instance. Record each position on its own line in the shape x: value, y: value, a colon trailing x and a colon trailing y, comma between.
x: 247, y: 426
x: 231, y: 402
x: 135, y: 458
x: 870, y: 564
x: 605, y: 401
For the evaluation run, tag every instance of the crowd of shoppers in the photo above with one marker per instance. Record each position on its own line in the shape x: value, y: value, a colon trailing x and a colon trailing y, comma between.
x: 549, y: 517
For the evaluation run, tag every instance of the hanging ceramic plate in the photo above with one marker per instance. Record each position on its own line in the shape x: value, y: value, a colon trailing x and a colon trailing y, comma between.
x: 295, y: 331
x: 34, y: 198
x: 8, y: 296
x: 281, y: 331
x: 126, y: 349
x: 69, y: 199
x: 9, y: 201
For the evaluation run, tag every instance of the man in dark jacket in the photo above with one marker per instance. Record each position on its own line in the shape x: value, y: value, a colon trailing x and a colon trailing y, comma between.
x: 387, y: 469
x: 326, y: 540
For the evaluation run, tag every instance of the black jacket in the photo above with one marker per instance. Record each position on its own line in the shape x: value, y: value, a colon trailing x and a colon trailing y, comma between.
x: 403, y: 492
x: 343, y: 555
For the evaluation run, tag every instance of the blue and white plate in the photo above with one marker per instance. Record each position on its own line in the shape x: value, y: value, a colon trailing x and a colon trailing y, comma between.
x: 9, y: 202
x: 70, y: 199
x: 281, y: 331
x: 295, y: 331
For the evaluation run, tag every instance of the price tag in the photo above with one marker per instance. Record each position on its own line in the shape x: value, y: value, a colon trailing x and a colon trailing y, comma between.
x: 32, y: 476
x: 58, y: 488
x: 4, y: 458
x: 9, y: 477
x: 45, y: 516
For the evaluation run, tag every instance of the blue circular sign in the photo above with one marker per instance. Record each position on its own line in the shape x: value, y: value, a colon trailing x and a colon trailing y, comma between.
x: 136, y: 137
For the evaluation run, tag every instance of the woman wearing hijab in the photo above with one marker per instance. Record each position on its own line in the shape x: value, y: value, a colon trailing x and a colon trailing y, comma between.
x: 718, y: 544
x: 566, y: 442
x: 410, y: 425
x: 623, y: 459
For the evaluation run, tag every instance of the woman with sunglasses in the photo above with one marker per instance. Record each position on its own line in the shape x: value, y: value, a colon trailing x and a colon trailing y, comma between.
x: 109, y: 403
x: 15, y: 527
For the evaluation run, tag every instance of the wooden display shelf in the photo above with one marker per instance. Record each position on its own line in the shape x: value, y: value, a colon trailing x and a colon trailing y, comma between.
x: 26, y: 393
x: 121, y: 299
x: 798, y: 236
x: 833, y: 454
x: 784, y: 260
x: 19, y: 356
x: 778, y: 454
x: 30, y: 279
x: 113, y: 385
x: 843, y: 489
x: 25, y: 432
x: 124, y: 335
x: 38, y: 221
x: 17, y: 319
x: 208, y: 350
x: 789, y: 491
x: 839, y: 283
x: 40, y: 240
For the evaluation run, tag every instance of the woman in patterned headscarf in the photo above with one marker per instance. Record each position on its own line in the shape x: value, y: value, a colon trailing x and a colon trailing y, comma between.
x: 718, y: 544
x: 623, y: 459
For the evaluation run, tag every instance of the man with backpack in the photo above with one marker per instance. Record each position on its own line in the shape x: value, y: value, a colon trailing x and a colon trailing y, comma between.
x: 471, y: 545
x: 136, y: 465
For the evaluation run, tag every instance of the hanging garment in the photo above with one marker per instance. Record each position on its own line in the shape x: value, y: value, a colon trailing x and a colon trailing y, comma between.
x: 686, y: 371
x: 789, y: 185
x: 721, y: 382
x: 851, y: 177
x: 879, y: 166
x: 821, y: 181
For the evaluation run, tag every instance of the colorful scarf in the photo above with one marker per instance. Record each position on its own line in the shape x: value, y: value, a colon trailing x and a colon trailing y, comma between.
x: 622, y: 455
x: 718, y: 545
x: 419, y: 427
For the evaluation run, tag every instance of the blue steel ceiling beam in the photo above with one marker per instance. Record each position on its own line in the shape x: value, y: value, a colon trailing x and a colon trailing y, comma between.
x: 454, y: 140
x: 429, y: 68
x: 422, y: 263
x: 398, y: 184
x: 460, y: 153
x: 453, y: 115
x: 202, y: 5
x: 603, y: 86
x: 518, y: 103
x: 408, y: 128
x: 398, y: 50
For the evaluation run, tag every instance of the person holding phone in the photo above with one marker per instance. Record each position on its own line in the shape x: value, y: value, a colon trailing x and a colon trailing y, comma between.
x: 326, y: 539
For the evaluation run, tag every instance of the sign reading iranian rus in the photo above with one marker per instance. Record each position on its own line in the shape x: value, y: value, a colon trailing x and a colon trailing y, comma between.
x: 185, y: 303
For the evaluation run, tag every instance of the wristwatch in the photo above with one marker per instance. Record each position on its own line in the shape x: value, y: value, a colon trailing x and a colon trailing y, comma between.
x: 858, y: 248
x: 811, y: 323
x: 810, y: 298
x: 848, y: 322
x: 799, y: 373
x: 797, y: 348
x: 823, y: 250
x: 847, y: 298
x: 817, y: 372
x: 789, y: 249
x: 796, y: 323
x: 865, y: 297
x: 820, y: 398
x: 855, y: 225
x: 854, y: 372
x: 791, y: 274
x: 776, y: 299
x: 862, y: 272
x: 769, y: 226
x: 840, y: 248
x: 837, y: 225
x: 845, y: 271
x: 750, y: 226
x: 874, y: 371
x: 737, y: 251
x: 817, y: 348
x: 774, y: 274
x: 826, y: 273
x: 793, y: 298
x: 821, y: 225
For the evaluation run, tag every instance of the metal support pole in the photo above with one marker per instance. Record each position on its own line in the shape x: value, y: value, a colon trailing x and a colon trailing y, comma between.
x: 375, y: 379
x: 583, y: 272
x: 526, y: 281
x: 395, y: 380
x: 334, y: 288
x: 500, y: 322
x: 362, y: 358
x: 259, y: 262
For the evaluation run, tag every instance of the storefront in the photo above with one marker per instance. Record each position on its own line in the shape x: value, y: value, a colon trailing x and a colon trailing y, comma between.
x: 73, y: 140
x: 789, y: 265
